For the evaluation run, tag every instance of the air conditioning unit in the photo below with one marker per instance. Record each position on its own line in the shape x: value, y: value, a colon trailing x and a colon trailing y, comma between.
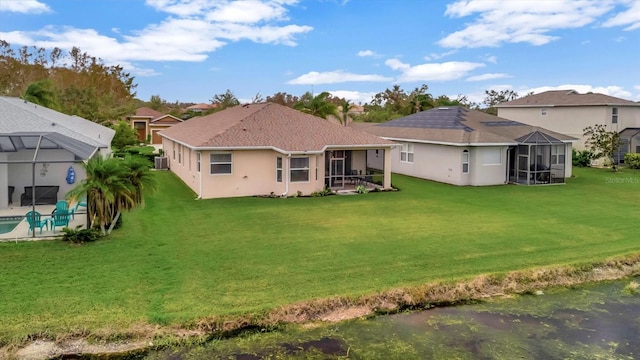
x: 161, y: 163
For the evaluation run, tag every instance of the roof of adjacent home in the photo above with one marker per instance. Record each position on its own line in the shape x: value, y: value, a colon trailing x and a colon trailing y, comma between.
x: 147, y: 113
x: 20, y: 116
x: 459, y: 126
x: 567, y: 98
x: 268, y: 125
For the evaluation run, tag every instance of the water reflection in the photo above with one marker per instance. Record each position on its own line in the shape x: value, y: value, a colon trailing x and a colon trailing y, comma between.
x: 592, y: 322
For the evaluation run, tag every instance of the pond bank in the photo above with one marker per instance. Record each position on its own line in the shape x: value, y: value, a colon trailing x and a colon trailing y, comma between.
x: 328, y: 310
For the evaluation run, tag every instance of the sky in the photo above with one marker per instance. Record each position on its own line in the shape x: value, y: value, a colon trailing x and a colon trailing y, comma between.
x: 191, y: 50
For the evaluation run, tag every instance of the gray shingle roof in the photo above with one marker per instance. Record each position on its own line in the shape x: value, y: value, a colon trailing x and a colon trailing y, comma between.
x: 20, y: 116
x: 456, y: 125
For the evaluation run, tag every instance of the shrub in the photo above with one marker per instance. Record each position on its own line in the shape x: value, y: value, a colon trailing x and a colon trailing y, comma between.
x: 324, y: 192
x: 80, y: 236
x: 581, y: 158
x: 632, y: 160
x: 631, y: 288
x: 361, y: 189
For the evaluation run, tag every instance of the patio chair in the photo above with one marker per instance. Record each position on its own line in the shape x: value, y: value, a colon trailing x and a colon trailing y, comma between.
x: 35, y: 220
x: 64, y: 205
x: 60, y: 218
x: 82, y: 202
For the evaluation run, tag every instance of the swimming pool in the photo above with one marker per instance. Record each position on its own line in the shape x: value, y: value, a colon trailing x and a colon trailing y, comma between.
x: 7, y: 224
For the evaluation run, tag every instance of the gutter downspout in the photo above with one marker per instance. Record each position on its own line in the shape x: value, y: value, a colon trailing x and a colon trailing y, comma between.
x: 286, y: 183
x: 200, y: 185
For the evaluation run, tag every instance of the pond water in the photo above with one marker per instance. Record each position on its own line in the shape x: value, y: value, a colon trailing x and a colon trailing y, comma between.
x: 600, y: 321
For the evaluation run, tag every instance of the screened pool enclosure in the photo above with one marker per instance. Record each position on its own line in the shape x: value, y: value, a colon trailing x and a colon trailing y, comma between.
x: 537, y: 159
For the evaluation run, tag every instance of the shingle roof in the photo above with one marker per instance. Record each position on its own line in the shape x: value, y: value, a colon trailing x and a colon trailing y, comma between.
x: 148, y: 112
x: 268, y: 125
x: 20, y: 116
x: 456, y: 125
x: 567, y: 98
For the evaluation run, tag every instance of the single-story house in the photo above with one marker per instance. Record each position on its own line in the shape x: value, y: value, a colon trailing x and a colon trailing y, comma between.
x: 148, y: 122
x: 569, y: 112
x: 267, y: 148
x: 199, y: 108
x: 459, y: 146
x: 39, y: 146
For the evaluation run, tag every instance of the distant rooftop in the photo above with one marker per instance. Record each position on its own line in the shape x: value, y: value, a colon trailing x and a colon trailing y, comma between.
x: 567, y: 98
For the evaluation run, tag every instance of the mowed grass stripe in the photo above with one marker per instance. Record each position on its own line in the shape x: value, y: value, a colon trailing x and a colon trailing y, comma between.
x: 179, y: 259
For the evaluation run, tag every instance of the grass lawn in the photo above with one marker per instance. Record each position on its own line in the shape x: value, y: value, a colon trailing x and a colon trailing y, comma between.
x: 179, y: 260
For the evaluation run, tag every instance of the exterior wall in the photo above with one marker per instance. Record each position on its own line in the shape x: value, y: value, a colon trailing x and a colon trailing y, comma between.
x: 571, y: 120
x: 253, y: 172
x: 488, y: 165
x: 4, y: 182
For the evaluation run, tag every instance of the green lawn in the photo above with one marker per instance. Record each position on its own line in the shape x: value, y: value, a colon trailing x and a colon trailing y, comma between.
x: 180, y: 259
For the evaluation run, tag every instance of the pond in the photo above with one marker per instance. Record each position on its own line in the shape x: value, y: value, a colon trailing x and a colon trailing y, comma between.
x: 600, y: 321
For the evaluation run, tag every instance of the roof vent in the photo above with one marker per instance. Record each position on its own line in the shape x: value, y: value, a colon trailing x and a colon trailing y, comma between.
x: 245, y: 105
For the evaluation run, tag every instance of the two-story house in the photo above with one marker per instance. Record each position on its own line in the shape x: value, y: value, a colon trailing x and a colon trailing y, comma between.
x: 569, y: 112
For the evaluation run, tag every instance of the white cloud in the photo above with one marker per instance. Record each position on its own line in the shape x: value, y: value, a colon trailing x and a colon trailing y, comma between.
x: 491, y: 58
x: 334, y: 77
x: 365, y: 53
x: 356, y: 97
x: 611, y: 90
x: 489, y: 76
x: 173, y: 39
x: 433, y: 71
x: 436, y: 56
x: 629, y: 18
x: 529, y: 21
x: 24, y: 6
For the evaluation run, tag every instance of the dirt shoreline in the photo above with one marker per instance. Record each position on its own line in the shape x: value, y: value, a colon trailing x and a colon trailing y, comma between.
x: 146, y: 337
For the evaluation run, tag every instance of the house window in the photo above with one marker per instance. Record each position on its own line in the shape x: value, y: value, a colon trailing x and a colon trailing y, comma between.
x: 614, y: 115
x: 465, y: 161
x: 557, y: 154
x: 543, y: 112
x: 406, y: 153
x: 198, y: 161
x: 220, y: 163
x: 299, y: 169
x: 279, y: 169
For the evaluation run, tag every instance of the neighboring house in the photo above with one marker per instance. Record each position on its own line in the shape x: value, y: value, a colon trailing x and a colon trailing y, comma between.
x: 148, y: 122
x: 266, y: 148
x: 569, y: 112
x: 199, y: 108
x: 468, y: 147
x: 41, y: 144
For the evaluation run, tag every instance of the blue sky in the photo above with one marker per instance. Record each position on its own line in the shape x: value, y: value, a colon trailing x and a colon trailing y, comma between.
x: 190, y: 50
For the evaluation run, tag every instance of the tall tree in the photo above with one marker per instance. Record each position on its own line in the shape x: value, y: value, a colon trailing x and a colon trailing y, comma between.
x: 43, y: 93
x: 494, y: 98
x: 125, y: 136
x: 157, y: 103
x: 283, y: 99
x: 345, y: 108
x: 224, y: 101
x: 317, y: 105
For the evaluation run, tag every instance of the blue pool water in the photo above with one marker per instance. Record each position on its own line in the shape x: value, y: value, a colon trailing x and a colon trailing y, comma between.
x: 7, y: 225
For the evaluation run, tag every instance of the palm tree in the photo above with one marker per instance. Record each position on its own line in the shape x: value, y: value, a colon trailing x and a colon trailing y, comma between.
x: 317, y: 105
x: 140, y: 176
x: 111, y: 186
x: 345, y: 107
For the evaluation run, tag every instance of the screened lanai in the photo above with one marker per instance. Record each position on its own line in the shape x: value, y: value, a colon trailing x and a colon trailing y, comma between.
x: 537, y: 159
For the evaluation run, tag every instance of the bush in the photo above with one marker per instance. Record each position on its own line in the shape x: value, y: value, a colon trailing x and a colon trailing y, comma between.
x: 581, y: 158
x: 632, y: 160
x: 324, y: 192
x: 80, y: 236
x: 361, y: 189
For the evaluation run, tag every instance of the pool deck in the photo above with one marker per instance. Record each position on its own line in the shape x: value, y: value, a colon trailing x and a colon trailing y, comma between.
x: 21, y: 231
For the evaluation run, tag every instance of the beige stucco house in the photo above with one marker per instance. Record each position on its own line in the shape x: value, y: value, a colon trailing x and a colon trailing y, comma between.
x: 148, y: 122
x: 468, y: 147
x: 569, y: 112
x: 266, y: 148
